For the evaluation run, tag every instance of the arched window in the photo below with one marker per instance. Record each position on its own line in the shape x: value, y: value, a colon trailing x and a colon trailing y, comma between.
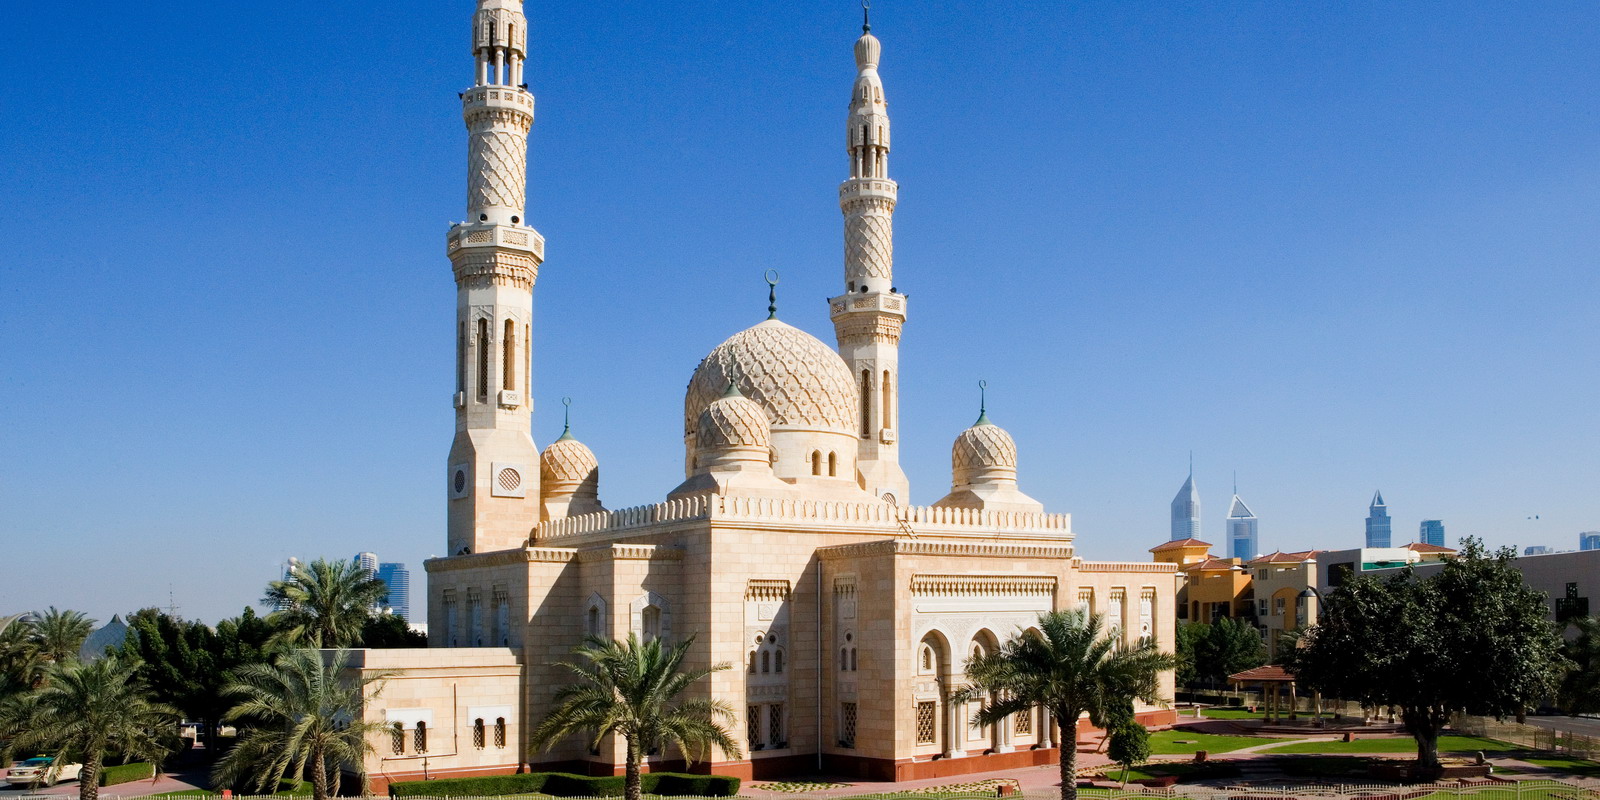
x: 500, y: 732
x: 508, y: 376
x: 511, y: 34
x: 397, y: 738
x: 419, y: 738
x: 477, y: 733
x: 483, y: 360
x: 777, y: 661
x: 594, y: 621
x: 927, y: 659
x: 816, y: 462
x: 852, y: 659
x: 833, y: 465
x: 461, y: 357
x: 766, y: 661
x: 888, y: 401
x: 866, y: 403
x: 752, y: 662
x: 527, y: 358
x: 844, y: 659
x: 650, y: 620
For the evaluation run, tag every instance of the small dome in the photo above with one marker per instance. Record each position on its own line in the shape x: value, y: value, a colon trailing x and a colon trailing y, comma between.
x: 868, y: 49
x: 983, y: 446
x: 733, y: 420
x: 567, y: 460
x: 796, y: 379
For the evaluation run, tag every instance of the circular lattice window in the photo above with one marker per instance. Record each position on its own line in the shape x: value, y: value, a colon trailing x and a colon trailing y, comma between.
x: 460, y: 482
x: 509, y: 479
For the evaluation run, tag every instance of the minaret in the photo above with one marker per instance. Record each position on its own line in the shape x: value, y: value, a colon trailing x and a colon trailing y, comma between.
x: 494, y: 467
x: 867, y: 318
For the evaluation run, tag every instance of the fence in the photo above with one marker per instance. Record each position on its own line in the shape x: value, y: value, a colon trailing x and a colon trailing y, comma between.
x: 1532, y: 737
x: 1498, y: 790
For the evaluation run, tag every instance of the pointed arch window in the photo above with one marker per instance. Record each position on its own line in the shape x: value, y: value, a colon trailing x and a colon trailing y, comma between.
x: 483, y: 360
x: 397, y: 738
x: 833, y: 465
x: 419, y: 738
x: 477, y: 734
x: 500, y: 732
x: 866, y: 403
x: 461, y: 357
x: 888, y: 401
x: 508, y: 377
x: 816, y: 462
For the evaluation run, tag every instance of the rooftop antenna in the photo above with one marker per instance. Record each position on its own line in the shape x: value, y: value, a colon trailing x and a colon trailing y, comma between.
x: 566, y: 423
x: 866, y: 16
x: 1235, y: 482
x: 771, y: 276
x: 172, y: 603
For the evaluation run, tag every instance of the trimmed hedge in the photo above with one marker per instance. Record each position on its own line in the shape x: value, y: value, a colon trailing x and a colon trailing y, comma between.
x: 566, y: 784
x: 123, y: 773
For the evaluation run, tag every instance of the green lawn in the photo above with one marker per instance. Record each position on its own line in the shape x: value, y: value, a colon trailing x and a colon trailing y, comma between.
x: 1568, y: 766
x: 1447, y: 744
x: 1230, y: 713
x: 1165, y: 743
x: 1184, y: 770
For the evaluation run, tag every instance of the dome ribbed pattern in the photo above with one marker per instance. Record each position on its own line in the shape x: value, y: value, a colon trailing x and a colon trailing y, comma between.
x: 983, y: 446
x: 868, y: 49
x: 797, y: 379
x: 733, y: 422
x: 567, y: 460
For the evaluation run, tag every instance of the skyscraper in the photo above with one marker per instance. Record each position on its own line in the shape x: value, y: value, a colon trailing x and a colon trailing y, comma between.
x: 1432, y: 532
x: 368, y: 562
x: 1186, y: 510
x: 1242, y: 531
x: 398, y: 579
x: 1377, y: 522
x: 1589, y: 540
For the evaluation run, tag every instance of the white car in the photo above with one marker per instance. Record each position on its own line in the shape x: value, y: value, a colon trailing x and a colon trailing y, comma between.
x: 36, y: 771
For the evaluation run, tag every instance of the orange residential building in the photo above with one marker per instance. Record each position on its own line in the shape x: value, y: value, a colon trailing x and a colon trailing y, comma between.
x: 1209, y: 588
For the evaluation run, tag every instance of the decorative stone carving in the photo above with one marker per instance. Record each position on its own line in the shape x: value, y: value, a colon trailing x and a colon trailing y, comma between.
x: 982, y: 585
x: 797, y: 380
x: 982, y: 447
x: 568, y: 461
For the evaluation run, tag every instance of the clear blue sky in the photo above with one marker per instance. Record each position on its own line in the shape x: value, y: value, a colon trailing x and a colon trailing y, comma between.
x: 1336, y: 248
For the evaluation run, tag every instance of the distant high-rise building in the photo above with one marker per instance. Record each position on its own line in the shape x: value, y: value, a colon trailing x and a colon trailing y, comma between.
x: 368, y: 562
x: 1432, y: 532
x: 1241, y: 531
x: 1537, y: 550
x: 398, y: 579
x: 1186, y: 510
x: 1589, y: 540
x: 285, y: 573
x: 1377, y: 522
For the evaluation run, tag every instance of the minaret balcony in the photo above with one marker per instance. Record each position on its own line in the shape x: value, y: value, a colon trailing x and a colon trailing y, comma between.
x: 868, y: 188
x: 512, y: 237
x: 869, y: 303
x: 497, y: 97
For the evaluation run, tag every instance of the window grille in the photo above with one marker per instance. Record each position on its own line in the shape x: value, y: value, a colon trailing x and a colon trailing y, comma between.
x: 927, y: 712
x: 419, y: 738
x: 397, y: 738
x: 477, y: 734
x: 1022, y: 724
x: 752, y: 725
x: 847, y: 725
x: 775, y: 733
x: 500, y: 732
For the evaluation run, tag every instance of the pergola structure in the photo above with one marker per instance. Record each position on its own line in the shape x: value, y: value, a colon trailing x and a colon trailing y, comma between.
x: 1273, y: 680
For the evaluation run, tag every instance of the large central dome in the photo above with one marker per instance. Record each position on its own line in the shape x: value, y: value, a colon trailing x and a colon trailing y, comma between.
x: 799, y: 381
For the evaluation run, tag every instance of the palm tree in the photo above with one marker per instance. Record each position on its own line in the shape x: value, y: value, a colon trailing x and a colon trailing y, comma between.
x: 324, y: 603
x: 1074, y: 666
x: 631, y: 689
x: 22, y: 664
x: 89, y: 710
x: 59, y: 635
x: 301, y: 712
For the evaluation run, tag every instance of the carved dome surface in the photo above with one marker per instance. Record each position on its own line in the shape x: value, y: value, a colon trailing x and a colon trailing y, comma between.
x: 983, y: 446
x: 567, y: 460
x: 799, y: 381
x: 733, y: 421
x: 868, y: 51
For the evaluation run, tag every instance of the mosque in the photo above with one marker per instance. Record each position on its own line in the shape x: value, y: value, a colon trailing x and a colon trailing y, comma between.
x: 789, y: 547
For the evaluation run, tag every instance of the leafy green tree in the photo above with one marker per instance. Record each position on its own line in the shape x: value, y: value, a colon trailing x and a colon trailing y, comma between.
x: 1130, y: 744
x: 1471, y: 637
x: 1230, y: 645
x: 59, y: 635
x: 298, y: 715
x: 1580, y: 687
x: 1074, y: 666
x: 1190, y: 636
x: 390, y: 630
x: 632, y: 689
x: 323, y: 603
x: 91, y: 710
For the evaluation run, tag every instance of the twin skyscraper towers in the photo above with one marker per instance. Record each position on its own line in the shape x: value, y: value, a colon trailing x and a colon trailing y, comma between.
x: 1242, y: 543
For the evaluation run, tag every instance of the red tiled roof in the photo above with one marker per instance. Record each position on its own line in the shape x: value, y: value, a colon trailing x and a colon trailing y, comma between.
x: 1191, y: 542
x: 1281, y: 557
x: 1212, y: 563
x: 1269, y: 673
x: 1419, y: 547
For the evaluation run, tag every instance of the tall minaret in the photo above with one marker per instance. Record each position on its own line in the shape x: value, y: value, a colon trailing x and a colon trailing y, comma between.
x: 494, y: 467
x: 868, y: 316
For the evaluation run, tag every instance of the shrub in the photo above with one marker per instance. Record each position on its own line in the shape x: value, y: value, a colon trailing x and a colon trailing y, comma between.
x: 123, y: 773
x: 566, y: 784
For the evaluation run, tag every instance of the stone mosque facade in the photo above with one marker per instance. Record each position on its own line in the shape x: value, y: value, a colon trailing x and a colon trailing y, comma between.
x: 789, y: 549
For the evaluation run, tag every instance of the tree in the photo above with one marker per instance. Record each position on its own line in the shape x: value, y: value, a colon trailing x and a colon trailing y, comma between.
x: 1190, y: 636
x: 390, y: 630
x: 186, y: 662
x: 299, y: 714
x: 1580, y: 687
x: 22, y: 664
x: 1230, y: 645
x: 1130, y: 744
x: 59, y: 635
x: 91, y: 710
x: 1074, y: 666
x: 324, y: 603
x: 1471, y: 637
x: 632, y: 689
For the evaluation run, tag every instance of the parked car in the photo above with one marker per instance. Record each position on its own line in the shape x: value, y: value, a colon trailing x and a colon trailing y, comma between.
x: 36, y: 772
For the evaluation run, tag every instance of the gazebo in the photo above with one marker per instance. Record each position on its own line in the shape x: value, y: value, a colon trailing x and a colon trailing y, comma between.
x: 1272, y: 679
